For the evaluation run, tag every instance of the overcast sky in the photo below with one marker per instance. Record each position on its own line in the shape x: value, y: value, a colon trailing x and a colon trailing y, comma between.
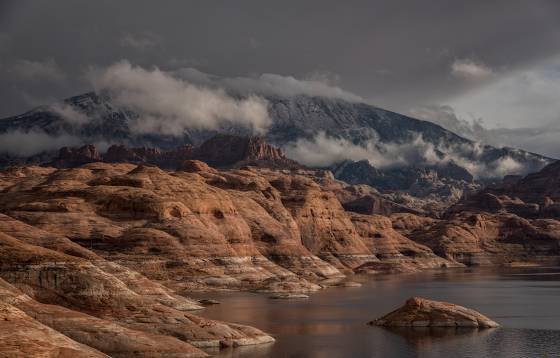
x: 498, y: 61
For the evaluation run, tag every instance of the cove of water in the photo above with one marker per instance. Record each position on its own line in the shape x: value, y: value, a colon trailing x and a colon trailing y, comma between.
x: 332, y: 322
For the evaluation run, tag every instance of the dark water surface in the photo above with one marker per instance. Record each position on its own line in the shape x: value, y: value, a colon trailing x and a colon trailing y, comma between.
x: 332, y: 323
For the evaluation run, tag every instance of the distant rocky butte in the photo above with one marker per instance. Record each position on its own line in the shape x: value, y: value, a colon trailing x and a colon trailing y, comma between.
x: 220, y: 151
x: 535, y: 196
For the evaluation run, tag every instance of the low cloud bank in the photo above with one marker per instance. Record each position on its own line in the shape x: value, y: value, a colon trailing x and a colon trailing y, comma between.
x: 170, y: 105
x: 68, y: 113
x: 323, y: 150
x: 24, y: 144
x: 542, y: 139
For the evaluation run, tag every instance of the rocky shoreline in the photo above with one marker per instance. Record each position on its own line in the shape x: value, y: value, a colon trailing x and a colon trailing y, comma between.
x: 121, y: 246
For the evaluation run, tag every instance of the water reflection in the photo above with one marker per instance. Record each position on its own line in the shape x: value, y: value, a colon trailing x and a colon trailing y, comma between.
x: 332, y: 323
x: 424, y: 338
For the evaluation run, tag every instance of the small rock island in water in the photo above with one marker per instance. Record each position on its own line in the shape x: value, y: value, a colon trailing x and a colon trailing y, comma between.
x: 421, y: 312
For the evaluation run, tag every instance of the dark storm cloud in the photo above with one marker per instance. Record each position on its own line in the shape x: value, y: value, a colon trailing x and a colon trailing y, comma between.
x: 395, y: 54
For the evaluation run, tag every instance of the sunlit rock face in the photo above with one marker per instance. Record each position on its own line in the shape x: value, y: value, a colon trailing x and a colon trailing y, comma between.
x: 121, y: 246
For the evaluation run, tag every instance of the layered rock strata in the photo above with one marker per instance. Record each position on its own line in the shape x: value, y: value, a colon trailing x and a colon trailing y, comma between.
x: 421, y: 312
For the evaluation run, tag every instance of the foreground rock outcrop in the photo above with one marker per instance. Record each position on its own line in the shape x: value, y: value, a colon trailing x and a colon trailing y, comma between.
x: 201, y: 228
x: 22, y: 336
x: 421, y: 312
x: 105, y: 255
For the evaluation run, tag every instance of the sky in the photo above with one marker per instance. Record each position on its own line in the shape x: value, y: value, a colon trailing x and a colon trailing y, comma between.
x: 489, y: 70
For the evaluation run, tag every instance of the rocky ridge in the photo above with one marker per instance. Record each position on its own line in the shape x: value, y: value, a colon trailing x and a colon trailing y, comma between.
x: 218, y: 151
x: 536, y: 195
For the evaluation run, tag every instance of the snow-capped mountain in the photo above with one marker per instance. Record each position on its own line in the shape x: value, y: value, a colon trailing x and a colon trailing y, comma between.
x: 352, y: 131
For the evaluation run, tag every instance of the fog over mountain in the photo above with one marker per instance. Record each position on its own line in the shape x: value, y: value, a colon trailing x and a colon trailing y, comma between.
x: 504, y: 70
x: 166, y: 80
x: 316, y: 124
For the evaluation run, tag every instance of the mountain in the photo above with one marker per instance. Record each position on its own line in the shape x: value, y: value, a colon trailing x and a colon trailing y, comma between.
x: 98, y: 118
x: 428, y: 189
x: 361, y: 143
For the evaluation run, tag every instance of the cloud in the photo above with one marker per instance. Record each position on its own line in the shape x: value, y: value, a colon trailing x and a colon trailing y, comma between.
x: 525, y: 98
x: 269, y: 84
x: 68, y: 113
x: 47, y: 70
x: 4, y: 42
x: 140, y: 42
x: 323, y: 151
x: 170, y: 105
x: 540, y: 139
x: 24, y: 144
x: 470, y: 70
x: 446, y: 117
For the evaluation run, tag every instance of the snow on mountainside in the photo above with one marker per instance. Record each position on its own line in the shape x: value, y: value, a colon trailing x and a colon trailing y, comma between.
x: 313, y: 130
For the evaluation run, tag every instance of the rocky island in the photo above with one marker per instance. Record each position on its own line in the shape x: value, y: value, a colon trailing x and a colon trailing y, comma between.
x: 421, y: 312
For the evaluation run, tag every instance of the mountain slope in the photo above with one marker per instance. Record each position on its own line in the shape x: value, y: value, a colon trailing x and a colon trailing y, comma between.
x: 397, y: 139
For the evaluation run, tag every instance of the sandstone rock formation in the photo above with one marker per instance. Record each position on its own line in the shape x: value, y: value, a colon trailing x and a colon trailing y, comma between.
x: 219, y: 151
x: 100, y: 303
x: 421, y: 312
x: 103, y: 335
x: 535, y: 196
x: 201, y: 228
x: 22, y: 336
x: 106, y: 254
x: 474, y: 238
x: 73, y: 157
x: 228, y: 150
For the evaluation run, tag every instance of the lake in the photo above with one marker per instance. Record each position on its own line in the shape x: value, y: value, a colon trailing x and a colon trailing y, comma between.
x: 332, y: 323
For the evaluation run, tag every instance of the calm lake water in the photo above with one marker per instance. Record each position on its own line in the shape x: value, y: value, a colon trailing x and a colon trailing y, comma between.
x: 332, y: 323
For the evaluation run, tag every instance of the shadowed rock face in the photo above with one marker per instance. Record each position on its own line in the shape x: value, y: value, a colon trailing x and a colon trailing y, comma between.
x: 220, y: 151
x: 429, y: 189
x: 535, y: 196
x: 421, y: 312
x: 227, y: 151
x: 486, y: 239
